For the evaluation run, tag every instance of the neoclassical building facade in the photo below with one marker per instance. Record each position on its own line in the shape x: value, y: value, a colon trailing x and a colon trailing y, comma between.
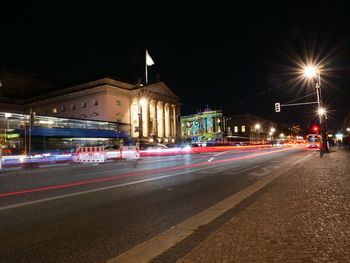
x: 155, y: 113
x: 151, y: 112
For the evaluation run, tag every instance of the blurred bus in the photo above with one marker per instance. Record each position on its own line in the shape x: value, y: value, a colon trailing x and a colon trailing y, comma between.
x: 313, y: 140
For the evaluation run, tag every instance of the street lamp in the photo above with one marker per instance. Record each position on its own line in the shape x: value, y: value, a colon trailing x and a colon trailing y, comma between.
x: 272, y: 131
x: 321, y: 111
x: 313, y: 72
x: 257, y: 129
x: 7, y: 115
x: 142, y: 103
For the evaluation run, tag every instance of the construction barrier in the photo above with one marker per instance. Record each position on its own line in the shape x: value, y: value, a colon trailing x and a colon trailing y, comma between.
x: 130, y: 152
x: 90, y: 154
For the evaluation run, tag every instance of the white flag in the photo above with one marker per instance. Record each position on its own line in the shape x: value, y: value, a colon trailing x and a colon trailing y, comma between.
x: 149, y: 60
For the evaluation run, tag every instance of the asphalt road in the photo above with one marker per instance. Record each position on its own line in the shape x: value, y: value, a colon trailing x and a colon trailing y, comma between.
x: 91, y: 213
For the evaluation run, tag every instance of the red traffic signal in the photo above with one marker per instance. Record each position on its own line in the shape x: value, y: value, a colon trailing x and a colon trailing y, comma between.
x: 315, y: 128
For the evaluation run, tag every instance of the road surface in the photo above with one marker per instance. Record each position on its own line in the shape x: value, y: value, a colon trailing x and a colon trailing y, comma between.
x: 92, y: 213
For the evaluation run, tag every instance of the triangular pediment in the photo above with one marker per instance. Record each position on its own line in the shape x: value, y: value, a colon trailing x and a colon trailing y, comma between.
x: 162, y: 89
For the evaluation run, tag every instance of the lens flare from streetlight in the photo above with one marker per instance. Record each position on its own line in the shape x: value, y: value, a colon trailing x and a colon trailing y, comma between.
x: 321, y: 111
x: 143, y: 102
x: 310, y: 71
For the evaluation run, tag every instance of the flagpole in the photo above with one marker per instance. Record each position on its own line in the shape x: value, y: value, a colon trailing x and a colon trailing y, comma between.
x: 146, y: 67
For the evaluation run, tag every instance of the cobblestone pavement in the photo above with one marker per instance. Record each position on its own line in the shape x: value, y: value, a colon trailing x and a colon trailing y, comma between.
x: 303, y: 217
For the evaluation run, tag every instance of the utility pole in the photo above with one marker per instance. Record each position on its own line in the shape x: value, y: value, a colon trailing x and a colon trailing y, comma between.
x: 30, y: 134
x: 140, y: 122
x: 31, y: 125
x: 321, y: 115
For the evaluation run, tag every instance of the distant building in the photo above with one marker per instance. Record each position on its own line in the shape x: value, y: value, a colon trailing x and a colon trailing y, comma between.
x: 203, y: 126
x: 249, y: 128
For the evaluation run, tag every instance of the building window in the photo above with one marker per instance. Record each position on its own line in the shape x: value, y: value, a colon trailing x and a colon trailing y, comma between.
x: 83, y: 104
x: 94, y: 102
x: 54, y: 110
x: 236, y: 129
x: 63, y: 108
x: 72, y: 106
x: 243, y: 128
x: 118, y: 103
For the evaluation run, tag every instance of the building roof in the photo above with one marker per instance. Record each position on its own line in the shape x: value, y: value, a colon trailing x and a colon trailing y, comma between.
x: 85, y: 86
x: 20, y: 87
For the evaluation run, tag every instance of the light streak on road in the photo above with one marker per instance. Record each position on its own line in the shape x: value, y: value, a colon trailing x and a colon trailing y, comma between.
x: 138, y: 173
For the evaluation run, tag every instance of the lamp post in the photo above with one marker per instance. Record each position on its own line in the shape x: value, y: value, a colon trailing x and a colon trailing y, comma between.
x: 7, y: 116
x: 272, y: 131
x: 313, y: 72
x: 142, y: 103
x: 257, y: 129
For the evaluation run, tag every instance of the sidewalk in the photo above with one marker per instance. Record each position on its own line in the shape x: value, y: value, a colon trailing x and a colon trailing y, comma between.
x: 303, y: 217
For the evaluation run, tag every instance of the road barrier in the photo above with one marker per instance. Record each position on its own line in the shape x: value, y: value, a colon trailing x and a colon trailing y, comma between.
x: 90, y: 154
x: 130, y: 152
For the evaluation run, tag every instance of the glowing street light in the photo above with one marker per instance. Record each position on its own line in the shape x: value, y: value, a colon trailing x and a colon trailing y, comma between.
x: 272, y: 130
x: 312, y: 72
x: 321, y: 111
x: 257, y: 131
x: 7, y: 115
x: 348, y: 129
x: 142, y: 103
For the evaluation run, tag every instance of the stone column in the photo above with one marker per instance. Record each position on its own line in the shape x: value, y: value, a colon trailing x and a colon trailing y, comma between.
x: 134, y: 117
x: 145, y: 119
x: 167, y: 119
x: 160, y: 119
x: 173, y: 107
x: 153, y: 117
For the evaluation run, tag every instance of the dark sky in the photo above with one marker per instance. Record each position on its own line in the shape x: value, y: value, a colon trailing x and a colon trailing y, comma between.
x: 238, y: 58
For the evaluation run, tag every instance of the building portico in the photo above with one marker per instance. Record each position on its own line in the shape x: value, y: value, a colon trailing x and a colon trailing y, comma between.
x: 158, y: 108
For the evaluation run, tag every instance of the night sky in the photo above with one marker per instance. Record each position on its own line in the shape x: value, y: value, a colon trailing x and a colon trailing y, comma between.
x: 238, y: 59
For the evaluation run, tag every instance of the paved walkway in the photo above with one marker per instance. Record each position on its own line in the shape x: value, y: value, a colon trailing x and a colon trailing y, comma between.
x: 303, y: 217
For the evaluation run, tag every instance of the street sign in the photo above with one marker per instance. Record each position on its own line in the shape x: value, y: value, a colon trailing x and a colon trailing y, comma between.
x: 277, y: 107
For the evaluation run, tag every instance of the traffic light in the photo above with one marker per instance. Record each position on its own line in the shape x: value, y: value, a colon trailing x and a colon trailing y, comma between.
x: 315, y: 129
x: 277, y: 107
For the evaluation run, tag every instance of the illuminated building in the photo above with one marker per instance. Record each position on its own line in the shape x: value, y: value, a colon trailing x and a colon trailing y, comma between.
x: 203, y: 126
x: 105, y: 99
x: 249, y: 128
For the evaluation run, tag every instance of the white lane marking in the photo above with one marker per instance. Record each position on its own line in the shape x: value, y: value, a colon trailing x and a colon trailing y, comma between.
x: 157, y: 245
x: 193, y: 170
x: 221, y: 153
